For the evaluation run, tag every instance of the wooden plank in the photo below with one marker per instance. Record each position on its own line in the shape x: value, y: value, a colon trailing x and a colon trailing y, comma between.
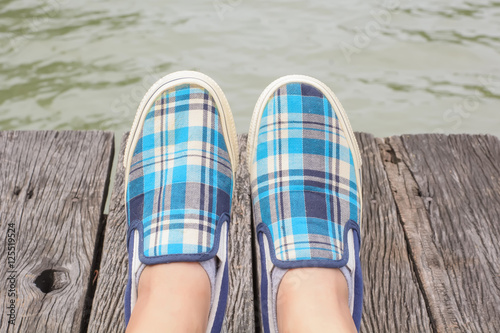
x: 240, y: 315
x: 447, y: 189
x: 108, y: 305
x: 392, y: 299
x: 107, y: 310
x: 52, y: 192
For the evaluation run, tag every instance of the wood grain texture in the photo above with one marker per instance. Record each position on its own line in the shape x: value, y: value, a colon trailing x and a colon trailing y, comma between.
x: 108, y: 306
x: 240, y: 309
x: 52, y: 189
x: 429, y: 235
x: 447, y: 189
x: 393, y: 301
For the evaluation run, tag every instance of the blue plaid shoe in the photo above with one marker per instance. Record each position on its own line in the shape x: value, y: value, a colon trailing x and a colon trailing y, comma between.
x: 304, y: 166
x: 179, y: 163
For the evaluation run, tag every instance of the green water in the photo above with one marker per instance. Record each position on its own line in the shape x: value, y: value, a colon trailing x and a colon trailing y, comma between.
x: 397, y: 66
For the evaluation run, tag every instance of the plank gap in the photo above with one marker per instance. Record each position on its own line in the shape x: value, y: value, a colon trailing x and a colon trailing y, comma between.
x: 99, y: 242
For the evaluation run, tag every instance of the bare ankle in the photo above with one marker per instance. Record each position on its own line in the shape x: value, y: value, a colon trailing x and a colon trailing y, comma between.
x: 314, y: 300
x: 172, y: 298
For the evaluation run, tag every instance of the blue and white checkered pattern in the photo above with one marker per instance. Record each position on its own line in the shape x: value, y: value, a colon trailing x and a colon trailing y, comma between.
x: 180, y: 179
x: 304, y: 189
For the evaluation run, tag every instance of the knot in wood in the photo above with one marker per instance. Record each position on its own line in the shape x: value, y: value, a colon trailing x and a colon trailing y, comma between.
x: 51, y: 279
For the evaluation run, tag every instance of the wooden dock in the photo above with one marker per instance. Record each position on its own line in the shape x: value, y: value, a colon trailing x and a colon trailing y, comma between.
x: 430, y: 234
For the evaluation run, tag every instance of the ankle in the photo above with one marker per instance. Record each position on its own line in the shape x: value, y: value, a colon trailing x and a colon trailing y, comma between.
x: 172, y: 297
x: 313, y: 300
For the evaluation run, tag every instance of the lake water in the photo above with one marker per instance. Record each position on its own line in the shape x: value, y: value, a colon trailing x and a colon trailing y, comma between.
x: 397, y: 66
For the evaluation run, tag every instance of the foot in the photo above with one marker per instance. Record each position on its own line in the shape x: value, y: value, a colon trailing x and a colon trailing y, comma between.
x: 180, y: 160
x: 314, y: 300
x: 306, y: 191
x: 173, y: 298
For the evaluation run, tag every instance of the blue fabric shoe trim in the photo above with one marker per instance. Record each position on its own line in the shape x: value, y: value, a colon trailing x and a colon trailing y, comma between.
x: 264, y: 284
x: 128, y: 290
x: 358, y: 284
x: 223, y: 295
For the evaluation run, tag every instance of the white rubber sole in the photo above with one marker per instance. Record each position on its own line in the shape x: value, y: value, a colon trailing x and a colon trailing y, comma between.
x: 337, y: 107
x: 168, y: 82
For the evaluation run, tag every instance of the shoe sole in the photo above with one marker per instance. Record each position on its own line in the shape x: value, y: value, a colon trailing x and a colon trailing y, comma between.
x: 337, y: 107
x: 167, y: 82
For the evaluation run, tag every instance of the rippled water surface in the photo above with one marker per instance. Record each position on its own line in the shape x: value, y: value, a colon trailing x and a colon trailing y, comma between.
x: 397, y: 66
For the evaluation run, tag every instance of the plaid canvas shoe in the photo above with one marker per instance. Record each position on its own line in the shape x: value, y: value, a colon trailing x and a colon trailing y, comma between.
x: 179, y: 163
x: 304, y: 166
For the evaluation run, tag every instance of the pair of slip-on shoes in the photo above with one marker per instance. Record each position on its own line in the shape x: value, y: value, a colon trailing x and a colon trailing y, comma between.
x: 304, y: 164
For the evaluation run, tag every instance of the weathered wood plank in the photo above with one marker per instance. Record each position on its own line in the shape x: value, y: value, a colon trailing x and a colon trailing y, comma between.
x: 108, y: 304
x: 107, y: 310
x: 240, y: 315
x: 447, y: 189
x: 52, y: 192
x: 392, y: 299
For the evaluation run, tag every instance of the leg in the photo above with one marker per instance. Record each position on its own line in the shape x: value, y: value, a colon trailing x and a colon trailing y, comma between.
x: 314, y: 300
x: 172, y: 298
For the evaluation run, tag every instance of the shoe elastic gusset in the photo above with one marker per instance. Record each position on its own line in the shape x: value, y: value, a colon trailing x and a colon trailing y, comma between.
x: 306, y: 190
